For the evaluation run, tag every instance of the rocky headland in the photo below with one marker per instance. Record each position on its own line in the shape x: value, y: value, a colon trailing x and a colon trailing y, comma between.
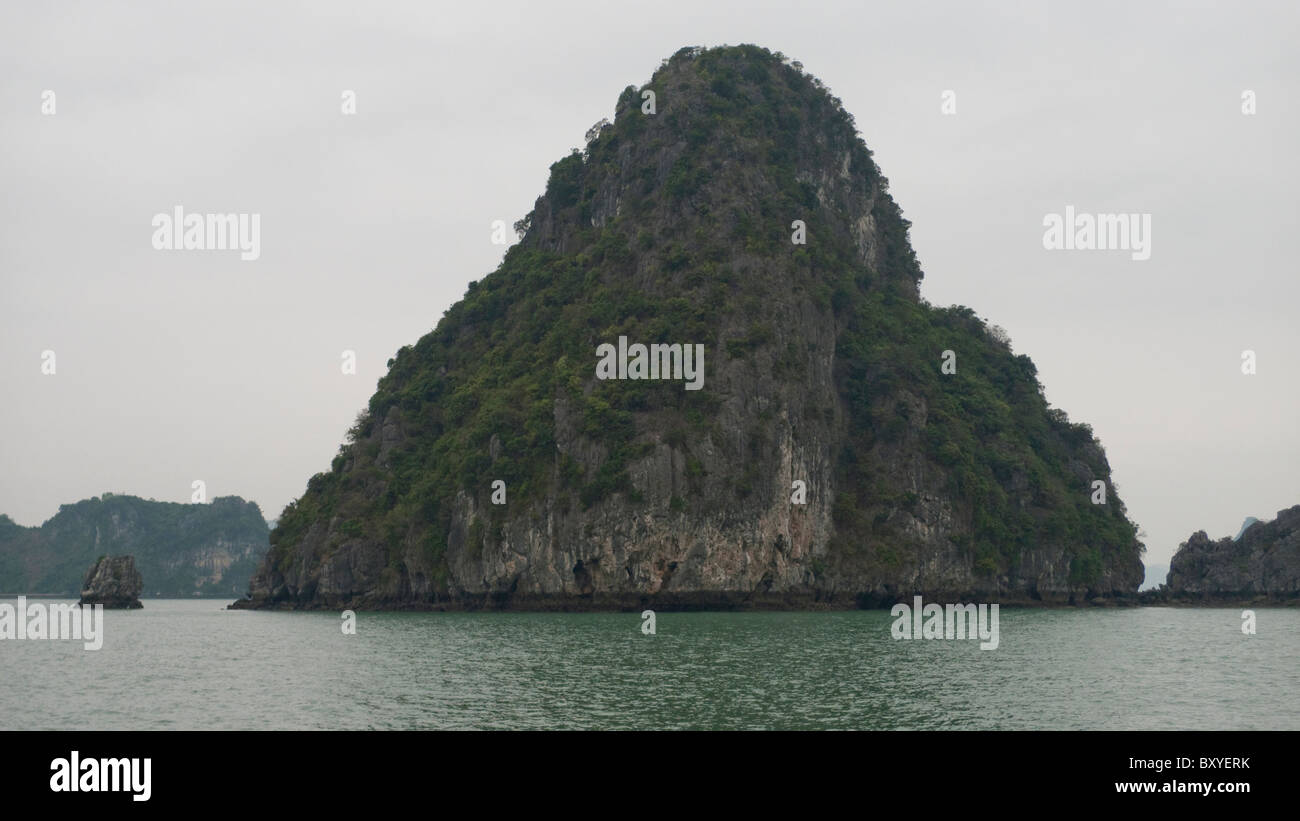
x: 1260, y: 565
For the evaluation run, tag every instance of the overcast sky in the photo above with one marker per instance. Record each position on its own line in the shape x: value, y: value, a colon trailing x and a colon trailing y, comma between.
x: 177, y: 366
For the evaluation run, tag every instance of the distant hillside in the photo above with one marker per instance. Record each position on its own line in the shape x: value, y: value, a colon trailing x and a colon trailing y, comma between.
x: 1250, y: 520
x: 1155, y: 577
x: 181, y: 550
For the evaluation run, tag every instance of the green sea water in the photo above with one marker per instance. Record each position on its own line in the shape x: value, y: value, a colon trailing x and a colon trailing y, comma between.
x: 194, y: 665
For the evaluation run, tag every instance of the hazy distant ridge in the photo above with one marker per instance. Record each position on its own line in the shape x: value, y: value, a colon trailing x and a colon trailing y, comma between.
x: 180, y: 549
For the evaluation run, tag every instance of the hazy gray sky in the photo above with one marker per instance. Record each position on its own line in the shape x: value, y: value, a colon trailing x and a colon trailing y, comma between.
x: 177, y: 366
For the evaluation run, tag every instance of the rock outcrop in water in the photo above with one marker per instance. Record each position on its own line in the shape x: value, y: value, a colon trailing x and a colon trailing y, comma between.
x: 113, y: 582
x: 1264, y: 560
x: 184, y: 550
x: 849, y: 443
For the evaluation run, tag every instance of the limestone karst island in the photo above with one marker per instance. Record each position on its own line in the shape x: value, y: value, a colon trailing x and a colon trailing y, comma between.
x: 849, y: 444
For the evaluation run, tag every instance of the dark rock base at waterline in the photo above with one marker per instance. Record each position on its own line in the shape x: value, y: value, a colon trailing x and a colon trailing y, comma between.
x: 113, y: 604
x: 1164, y: 597
x: 685, y: 602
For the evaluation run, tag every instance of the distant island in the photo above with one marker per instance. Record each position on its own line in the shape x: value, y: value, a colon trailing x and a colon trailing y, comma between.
x: 1155, y: 576
x: 1245, y: 525
x: 181, y: 550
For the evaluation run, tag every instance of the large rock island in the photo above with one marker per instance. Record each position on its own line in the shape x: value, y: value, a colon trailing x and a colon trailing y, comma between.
x: 837, y: 442
x: 113, y: 582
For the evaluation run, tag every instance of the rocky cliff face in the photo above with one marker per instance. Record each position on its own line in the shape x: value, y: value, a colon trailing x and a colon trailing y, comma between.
x: 829, y: 457
x: 1263, y: 560
x: 113, y: 582
x: 182, y: 550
